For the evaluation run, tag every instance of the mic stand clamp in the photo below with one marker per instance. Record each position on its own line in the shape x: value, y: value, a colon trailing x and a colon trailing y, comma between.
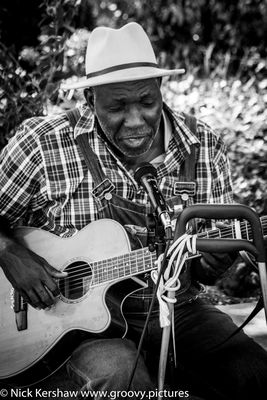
x: 156, y: 235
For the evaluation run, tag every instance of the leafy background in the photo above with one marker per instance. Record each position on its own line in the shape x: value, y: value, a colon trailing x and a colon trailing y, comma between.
x: 221, y: 44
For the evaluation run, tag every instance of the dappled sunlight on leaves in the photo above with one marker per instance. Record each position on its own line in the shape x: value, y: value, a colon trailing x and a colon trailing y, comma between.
x: 238, y: 112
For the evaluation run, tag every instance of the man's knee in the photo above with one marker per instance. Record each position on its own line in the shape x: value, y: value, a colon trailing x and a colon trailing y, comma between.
x: 106, y: 362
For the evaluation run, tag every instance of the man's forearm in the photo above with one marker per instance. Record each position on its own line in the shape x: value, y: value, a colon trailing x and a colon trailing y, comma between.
x: 212, y: 266
x: 6, y: 239
x: 5, y: 227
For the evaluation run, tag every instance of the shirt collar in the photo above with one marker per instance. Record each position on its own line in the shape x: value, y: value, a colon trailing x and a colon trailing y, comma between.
x: 180, y: 131
x: 86, y: 122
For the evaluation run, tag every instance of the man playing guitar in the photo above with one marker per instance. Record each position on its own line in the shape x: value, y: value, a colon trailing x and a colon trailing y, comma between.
x: 45, y: 183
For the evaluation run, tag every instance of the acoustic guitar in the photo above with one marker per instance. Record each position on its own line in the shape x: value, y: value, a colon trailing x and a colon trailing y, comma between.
x: 102, y: 273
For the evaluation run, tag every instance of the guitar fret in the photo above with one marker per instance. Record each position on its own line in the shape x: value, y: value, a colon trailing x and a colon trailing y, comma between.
x: 104, y: 271
x: 143, y: 263
x: 115, y: 269
x: 246, y: 225
x: 216, y: 233
x: 134, y: 265
x: 242, y: 226
x: 110, y: 270
x: 149, y: 263
x: 120, y: 267
x: 95, y: 280
x: 127, y: 265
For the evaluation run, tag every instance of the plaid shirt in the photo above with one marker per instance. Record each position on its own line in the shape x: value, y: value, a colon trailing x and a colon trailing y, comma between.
x: 44, y: 181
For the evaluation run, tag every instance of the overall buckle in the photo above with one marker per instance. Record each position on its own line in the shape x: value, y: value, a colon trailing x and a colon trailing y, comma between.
x: 185, y: 189
x: 103, y: 190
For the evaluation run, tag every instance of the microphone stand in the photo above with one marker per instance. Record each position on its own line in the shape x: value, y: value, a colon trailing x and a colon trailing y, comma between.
x: 160, y: 244
x: 146, y: 176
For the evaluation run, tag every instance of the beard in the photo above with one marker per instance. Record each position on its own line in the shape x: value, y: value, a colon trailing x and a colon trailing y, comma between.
x: 127, y: 142
x: 130, y: 143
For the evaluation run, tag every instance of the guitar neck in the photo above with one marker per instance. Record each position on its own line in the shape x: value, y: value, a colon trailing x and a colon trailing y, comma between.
x: 124, y: 266
x: 231, y: 231
x: 142, y: 260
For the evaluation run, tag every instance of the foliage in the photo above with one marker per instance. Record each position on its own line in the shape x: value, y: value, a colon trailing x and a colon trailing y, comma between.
x: 199, y: 33
x: 30, y: 75
x: 239, y: 113
x: 214, y: 37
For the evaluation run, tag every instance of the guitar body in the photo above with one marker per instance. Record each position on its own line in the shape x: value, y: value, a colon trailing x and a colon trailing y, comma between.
x: 52, y: 335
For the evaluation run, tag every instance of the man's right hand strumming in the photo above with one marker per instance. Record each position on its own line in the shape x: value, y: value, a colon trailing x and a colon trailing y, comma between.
x: 29, y: 274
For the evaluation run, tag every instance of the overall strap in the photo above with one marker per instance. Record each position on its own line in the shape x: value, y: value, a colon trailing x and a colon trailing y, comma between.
x: 187, y: 185
x: 189, y: 165
x: 91, y: 159
x: 73, y: 116
x: 103, y: 186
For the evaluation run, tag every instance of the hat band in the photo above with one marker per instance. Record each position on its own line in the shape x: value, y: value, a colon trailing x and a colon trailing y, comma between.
x: 120, y: 67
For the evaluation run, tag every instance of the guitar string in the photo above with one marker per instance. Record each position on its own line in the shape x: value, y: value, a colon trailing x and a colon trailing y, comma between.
x: 121, y: 268
x: 108, y: 273
x: 131, y: 267
x: 144, y: 252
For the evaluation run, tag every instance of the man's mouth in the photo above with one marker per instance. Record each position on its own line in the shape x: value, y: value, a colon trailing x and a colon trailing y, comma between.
x: 135, y: 135
x: 134, y: 140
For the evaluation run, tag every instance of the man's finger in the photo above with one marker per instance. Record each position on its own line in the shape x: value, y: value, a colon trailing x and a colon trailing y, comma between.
x: 35, y: 300
x: 54, y: 272
x: 208, y: 259
x: 222, y: 224
x: 52, y: 288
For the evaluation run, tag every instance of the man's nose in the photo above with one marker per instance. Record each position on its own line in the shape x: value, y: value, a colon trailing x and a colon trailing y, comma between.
x: 134, y: 118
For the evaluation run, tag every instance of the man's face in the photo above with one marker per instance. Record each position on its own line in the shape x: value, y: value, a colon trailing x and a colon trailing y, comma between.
x: 129, y: 114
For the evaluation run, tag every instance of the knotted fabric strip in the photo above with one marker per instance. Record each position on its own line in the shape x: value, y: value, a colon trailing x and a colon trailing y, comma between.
x: 169, y: 282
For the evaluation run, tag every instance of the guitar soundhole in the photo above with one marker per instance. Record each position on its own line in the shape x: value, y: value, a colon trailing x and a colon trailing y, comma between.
x: 78, y: 281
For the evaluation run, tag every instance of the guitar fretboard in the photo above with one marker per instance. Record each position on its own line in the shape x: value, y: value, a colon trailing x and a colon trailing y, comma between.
x: 126, y: 265
x: 142, y: 260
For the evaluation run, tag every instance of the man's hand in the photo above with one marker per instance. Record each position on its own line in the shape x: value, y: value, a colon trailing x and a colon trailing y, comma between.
x: 215, y: 264
x: 30, y: 275
x: 212, y: 265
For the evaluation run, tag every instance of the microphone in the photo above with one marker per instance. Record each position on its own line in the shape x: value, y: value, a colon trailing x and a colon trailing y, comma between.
x: 145, y: 176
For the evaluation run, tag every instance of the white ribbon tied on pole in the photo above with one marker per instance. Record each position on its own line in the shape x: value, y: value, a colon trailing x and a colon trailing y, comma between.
x: 169, y: 282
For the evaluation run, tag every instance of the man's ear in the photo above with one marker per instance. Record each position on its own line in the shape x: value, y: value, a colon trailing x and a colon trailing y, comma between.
x: 159, y: 79
x: 89, y: 97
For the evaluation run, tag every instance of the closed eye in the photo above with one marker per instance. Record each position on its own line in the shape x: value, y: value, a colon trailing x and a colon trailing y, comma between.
x: 116, y: 108
x: 148, y: 102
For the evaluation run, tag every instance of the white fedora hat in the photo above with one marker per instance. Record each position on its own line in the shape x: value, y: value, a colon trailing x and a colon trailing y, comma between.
x: 119, y: 55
